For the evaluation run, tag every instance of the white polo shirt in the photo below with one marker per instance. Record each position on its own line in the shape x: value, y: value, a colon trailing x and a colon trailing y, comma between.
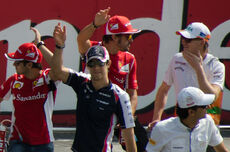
x: 182, y: 75
x: 171, y: 135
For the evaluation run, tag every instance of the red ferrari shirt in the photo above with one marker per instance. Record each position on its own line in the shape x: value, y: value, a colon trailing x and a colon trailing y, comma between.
x: 33, y: 103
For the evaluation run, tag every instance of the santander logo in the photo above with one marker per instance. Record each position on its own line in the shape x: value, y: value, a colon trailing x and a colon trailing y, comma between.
x: 29, y: 98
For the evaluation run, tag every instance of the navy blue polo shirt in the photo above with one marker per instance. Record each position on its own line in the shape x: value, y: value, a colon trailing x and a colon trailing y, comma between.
x: 97, y: 113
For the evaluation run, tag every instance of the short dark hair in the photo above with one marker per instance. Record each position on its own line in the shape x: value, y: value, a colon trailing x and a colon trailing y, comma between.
x: 35, y: 65
x: 107, y: 38
x: 183, y: 112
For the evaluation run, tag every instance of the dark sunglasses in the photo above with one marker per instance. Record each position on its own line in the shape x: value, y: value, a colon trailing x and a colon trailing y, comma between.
x: 93, y: 63
x: 128, y: 36
x: 203, y: 107
x: 189, y: 40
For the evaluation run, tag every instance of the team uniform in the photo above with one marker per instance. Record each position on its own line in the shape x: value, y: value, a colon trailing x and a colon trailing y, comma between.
x: 33, y: 102
x: 182, y: 75
x: 98, y: 112
x: 171, y: 135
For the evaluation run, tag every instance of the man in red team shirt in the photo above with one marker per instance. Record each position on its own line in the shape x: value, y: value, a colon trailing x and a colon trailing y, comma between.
x: 33, y: 91
x: 117, y: 39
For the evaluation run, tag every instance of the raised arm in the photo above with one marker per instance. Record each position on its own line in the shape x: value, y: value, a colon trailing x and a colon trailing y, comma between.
x: 59, y: 70
x: 48, y: 55
x: 160, y: 102
x: 83, y: 38
x: 45, y: 51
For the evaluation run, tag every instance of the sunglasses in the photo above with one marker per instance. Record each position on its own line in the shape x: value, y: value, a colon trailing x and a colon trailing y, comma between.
x: 93, y: 63
x: 189, y: 40
x: 203, y: 107
x: 128, y: 36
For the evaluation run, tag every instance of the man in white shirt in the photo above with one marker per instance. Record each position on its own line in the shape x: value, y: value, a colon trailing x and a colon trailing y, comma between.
x: 193, y: 130
x: 194, y: 66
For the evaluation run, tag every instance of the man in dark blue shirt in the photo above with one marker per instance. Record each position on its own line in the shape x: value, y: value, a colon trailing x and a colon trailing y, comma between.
x: 101, y: 104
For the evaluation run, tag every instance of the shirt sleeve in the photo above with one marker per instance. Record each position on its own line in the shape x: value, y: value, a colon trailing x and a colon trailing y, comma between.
x: 132, y: 77
x: 156, y: 141
x: 5, y: 90
x: 218, y: 73
x: 75, y: 79
x: 168, y: 78
x: 124, y: 113
x: 215, y: 138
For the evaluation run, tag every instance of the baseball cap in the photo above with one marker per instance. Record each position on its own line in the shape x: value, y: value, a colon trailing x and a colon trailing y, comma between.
x: 195, y: 30
x: 27, y: 51
x: 119, y: 25
x: 97, y: 52
x: 191, y: 96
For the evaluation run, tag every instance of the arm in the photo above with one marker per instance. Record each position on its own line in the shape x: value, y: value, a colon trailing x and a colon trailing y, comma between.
x: 61, y: 72
x: 133, y: 99
x: 86, y: 33
x: 45, y: 51
x: 130, y: 142
x: 221, y: 148
x: 196, y: 63
x: 160, y: 102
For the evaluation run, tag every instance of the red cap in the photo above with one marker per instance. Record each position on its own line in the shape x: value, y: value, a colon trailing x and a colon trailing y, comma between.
x: 27, y: 51
x: 119, y: 25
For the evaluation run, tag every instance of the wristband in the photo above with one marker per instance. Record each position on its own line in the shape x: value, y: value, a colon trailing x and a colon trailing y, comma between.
x: 40, y: 43
x: 60, y: 47
x: 95, y: 26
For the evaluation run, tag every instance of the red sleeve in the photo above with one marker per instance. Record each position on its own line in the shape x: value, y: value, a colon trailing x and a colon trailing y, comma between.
x: 5, y: 90
x: 132, y: 84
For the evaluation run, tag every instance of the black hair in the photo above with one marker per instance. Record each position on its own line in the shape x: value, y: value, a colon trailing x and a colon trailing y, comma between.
x: 107, y: 38
x: 183, y: 112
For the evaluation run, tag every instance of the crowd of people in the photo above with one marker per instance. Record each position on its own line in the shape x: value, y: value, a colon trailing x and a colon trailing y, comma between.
x: 105, y: 104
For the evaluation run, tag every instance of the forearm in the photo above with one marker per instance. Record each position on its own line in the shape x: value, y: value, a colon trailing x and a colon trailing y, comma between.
x: 57, y: 61
x: 130, y: 142
x: 47, y: 54
x: 160, y: 101
x: 204, y: 84
x: 83, y: 38
x: 133, y: 99
x: 159, y: 105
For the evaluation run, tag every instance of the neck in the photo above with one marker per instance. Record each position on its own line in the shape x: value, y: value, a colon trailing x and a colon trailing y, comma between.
x: 112, y: 49
x: 100, y: 84
x: 189, y: 122
x: 203, y: 53
x: 33, y: 73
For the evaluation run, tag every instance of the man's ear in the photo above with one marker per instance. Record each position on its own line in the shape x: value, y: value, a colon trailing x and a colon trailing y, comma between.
x: 109, y: 63
x: 191, y: 112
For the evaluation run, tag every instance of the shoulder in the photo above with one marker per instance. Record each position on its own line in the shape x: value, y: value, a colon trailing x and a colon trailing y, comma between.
x: 167, y: 123
x: 213, y: 61
x: 207, y: 120
x: 80, y: 74
x: 178, y: 56
x: 120, y: 92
